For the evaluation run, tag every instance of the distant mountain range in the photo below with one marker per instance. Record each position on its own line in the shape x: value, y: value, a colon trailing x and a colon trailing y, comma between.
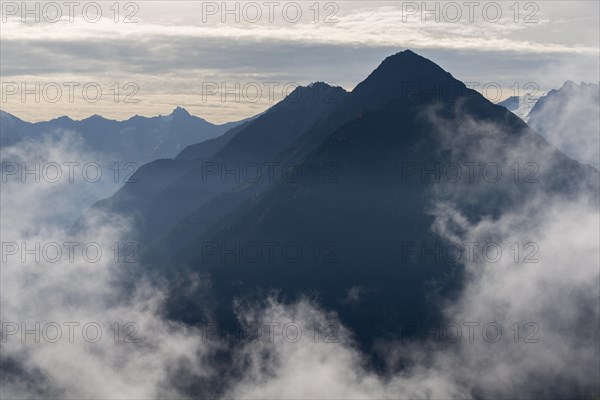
x: 366, y: 171
x: 568, y: 117
x: 137, y: 139
x: 143, y: 139
x: 198, y: 198
x: 521, y: 105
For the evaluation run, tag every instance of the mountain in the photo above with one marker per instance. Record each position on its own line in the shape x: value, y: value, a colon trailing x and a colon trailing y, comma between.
x: 196, y: 174
x: 569, y: 118
x: 371, y: 169
x: 521, y: 105
x: 11, y: 128
x: 138, y: 139
x: 352, y: 230
x: 210, y: 147
x: 299, y: 111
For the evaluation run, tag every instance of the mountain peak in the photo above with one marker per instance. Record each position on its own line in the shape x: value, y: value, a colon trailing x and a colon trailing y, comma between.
x: 315, y: 86
x: 63, y: 119
x: 315, y: 92
x: 180, y: 112
x: 408, y: 65
x: 95, y: 117
x: 319, y: 84
x: 405, y: 54
x: 406, y: 73
x: 569, y: 85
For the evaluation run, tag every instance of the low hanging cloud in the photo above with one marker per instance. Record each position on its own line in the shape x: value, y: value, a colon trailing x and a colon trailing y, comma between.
x: 525, y: 325
x: 570, y: 119
x: 517, y: 330
x: 63, y: 294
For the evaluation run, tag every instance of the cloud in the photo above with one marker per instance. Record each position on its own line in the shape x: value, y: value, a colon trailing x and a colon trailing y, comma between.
x: 553, y: 301
x: 76, y: 297
x: 317, y: 368
x: 570, y: 119
x: 170, y: 51
x: 524, y: 326
x: 547, y: 312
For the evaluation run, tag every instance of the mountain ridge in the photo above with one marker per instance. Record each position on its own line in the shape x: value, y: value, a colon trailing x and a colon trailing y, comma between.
x: 137, y: 139
x: 368, y: 210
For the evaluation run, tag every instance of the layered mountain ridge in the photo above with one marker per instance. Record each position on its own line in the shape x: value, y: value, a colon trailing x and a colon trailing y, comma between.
x: 374, y: 165
x: 137, y: 139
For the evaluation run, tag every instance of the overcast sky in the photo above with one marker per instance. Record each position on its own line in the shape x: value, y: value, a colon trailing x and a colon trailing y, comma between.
x: 175, y: 52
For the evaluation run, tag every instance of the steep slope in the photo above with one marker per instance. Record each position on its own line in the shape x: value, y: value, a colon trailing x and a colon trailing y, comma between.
x: 197, y: 181
x: 521, y: 105
x: 210, y: 147
x: 569, y: 118
x: 290, y: 118
x: 363, y: 243
x: 404, y: 77
x: 12, y: 129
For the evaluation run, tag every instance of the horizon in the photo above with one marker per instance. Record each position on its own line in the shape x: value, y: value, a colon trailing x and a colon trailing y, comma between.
x: 543, y: 46
x: 299, y: 200
x: 126, y: 118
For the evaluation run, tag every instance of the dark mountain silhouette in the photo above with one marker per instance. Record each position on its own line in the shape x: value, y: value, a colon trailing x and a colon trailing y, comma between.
x: 210, y: 147
x: 347, y: 232
x: 192, y: 182
x: 299, y: 111
x: 403, y: 77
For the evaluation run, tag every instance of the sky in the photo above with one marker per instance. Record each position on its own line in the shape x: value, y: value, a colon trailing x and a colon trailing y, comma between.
x: 229, y: 62
x: 172, y: 54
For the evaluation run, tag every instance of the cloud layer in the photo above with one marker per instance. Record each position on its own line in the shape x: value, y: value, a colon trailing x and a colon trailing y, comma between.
x: 527, y: 329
